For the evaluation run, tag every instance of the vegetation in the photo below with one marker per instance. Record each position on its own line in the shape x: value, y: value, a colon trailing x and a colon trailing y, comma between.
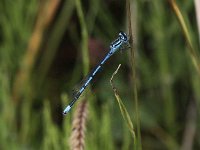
x: 151, y: 102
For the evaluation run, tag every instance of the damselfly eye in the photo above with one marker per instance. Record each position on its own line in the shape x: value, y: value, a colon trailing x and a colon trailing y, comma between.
x: 123, y: 36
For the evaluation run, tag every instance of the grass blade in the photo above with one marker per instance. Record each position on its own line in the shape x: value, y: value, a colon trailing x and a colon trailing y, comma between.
x: 122, y: 107
x: 188, y: 38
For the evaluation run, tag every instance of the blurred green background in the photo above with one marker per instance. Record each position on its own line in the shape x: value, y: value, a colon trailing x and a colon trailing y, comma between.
x: 47, y: 47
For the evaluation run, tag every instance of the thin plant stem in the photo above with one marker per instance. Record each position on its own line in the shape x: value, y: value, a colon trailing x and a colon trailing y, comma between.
x: 84, y: 34
x: 193, y: 53
x: 133, y: 69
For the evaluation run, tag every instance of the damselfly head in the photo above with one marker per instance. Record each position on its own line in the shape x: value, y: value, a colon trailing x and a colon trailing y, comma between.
x: 123, y: 37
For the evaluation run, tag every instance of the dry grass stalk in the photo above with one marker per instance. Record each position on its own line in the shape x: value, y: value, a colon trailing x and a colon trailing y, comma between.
x: 47, y: 9
x: 197, y: 8
x: 78, y: 127
x: 190, y: 127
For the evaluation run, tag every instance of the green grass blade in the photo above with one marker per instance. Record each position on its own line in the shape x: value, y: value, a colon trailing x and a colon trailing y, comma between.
x: 122, y: 107
x: 188, y: 38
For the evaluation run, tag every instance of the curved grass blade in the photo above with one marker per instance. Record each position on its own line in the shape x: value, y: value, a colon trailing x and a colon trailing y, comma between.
x: 122, y: 107
x: 188, y: 38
